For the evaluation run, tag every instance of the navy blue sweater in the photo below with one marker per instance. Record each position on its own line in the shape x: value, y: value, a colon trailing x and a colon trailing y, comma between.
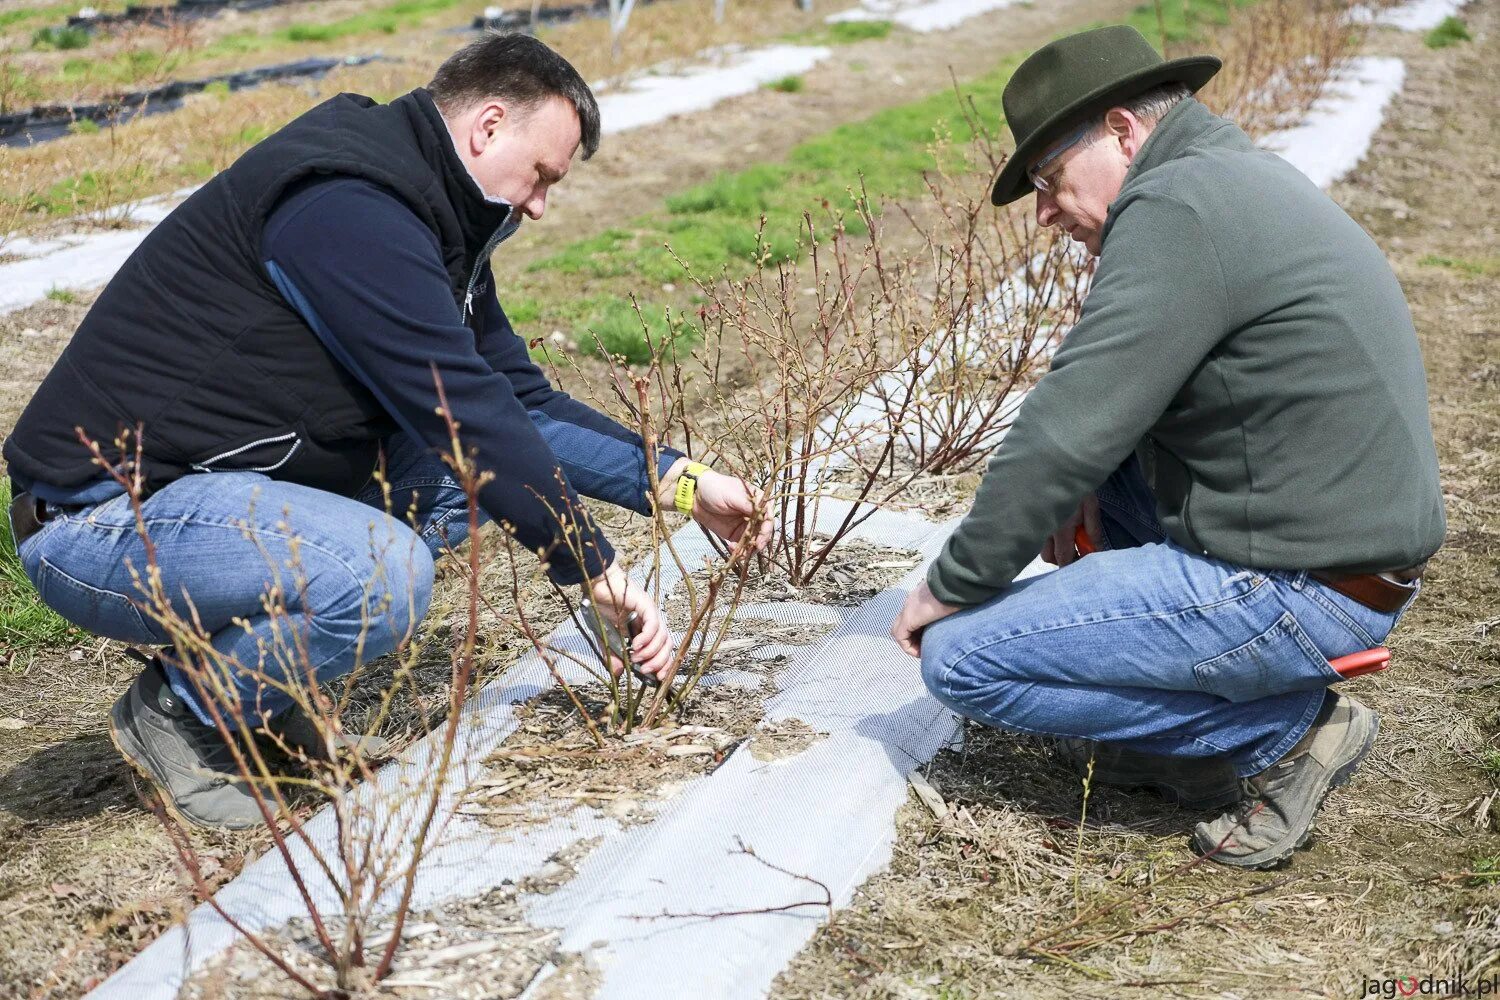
x: 368, y: 277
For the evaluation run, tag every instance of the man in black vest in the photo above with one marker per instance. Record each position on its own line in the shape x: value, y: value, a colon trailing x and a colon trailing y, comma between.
x: 270, y: 343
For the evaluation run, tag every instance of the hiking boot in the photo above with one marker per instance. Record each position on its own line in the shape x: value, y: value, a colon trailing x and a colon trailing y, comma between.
x: 1191, y: 782
x: 189, y: 762
x: 1276, y: 816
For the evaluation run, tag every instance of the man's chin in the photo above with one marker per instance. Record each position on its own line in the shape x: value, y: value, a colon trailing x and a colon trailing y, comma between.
x: 1087, y: 240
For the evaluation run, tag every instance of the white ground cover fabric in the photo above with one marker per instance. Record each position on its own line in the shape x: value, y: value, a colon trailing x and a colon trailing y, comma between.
x: 79, y: 262
x: 1334, y: 136
x: 1421, y: 15
x: 827, y: 812
x: 653, y: 97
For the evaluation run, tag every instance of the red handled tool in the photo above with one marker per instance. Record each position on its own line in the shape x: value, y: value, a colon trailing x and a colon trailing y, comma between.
x: 1368, y: 661
x: 1081, y: 542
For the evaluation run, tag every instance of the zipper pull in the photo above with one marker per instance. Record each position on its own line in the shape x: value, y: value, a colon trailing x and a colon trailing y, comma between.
x: 468, y: 303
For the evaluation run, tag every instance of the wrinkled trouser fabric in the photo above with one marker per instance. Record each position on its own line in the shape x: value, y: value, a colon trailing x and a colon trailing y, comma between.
x: 1146, y: 644
x: 354, y: 581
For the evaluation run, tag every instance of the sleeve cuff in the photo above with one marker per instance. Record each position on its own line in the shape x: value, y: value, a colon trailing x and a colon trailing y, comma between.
x: 954, y: 592
x: 567, y: 571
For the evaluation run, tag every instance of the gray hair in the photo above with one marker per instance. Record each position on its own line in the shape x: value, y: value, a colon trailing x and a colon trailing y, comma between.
x: 517, y: 68
x: 1150, y: 107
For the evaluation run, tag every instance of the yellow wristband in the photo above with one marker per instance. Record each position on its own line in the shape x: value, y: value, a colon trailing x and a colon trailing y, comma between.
x: 687, y: 487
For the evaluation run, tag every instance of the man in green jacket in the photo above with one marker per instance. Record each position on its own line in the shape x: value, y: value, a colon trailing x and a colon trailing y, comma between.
x: 1238, y: 421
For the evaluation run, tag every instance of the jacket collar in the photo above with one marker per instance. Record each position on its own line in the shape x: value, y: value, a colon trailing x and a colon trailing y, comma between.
x: 1181, y: 128
x: 479, y: 217
x: 1187, y: 125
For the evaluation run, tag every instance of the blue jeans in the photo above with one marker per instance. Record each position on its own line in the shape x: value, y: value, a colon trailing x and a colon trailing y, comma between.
x: 1146, y: 644
x: 354, y: 581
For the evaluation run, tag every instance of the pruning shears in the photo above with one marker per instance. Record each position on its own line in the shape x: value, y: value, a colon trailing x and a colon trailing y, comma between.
x: 612, y: 642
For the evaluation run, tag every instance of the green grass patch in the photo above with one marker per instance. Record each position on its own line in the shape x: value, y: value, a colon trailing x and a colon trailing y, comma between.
x: 1450, y: 32
x: 523, y: 309
x: 787, y: 85
x: 1479, y: 268
x: 1485, y: 871
x: 20, y: 15
x: 25, y: 622
x: 124, y: 69
x: 61, y: 295
x: 1489, y: 762
x: 848, y: 32
x: 84, y: 126
x: 384, y: 20
x: 621, y: 332
x: 841, y: 33
x: 60, y: 38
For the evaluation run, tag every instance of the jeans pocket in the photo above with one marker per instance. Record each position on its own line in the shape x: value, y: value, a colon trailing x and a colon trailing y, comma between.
x: 1281, y: 659
x: 102, y: 612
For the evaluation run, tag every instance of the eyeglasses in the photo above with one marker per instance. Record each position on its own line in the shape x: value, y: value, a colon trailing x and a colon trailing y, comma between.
x: 1044, y: 184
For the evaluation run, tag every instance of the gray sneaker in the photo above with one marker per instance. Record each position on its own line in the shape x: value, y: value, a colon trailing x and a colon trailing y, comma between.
x: 188, y: 761
x: 1191, y: 782
x: 1276, y: 816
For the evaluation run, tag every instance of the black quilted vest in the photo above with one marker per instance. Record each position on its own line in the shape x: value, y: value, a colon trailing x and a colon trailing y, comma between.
x: 193, y: 343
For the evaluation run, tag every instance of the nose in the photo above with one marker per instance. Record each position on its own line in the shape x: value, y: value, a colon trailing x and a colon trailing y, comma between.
x: 535, y: 206
x: 1046, y: 209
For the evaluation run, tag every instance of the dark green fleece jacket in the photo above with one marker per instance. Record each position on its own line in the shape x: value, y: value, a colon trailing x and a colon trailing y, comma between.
x: 1250, y: 342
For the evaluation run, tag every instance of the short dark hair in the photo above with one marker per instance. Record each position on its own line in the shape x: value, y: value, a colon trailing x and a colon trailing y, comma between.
x: 519, y: 69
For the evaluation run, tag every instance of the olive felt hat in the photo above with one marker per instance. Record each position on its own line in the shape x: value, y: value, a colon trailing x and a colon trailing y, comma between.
x: 1064, y: 82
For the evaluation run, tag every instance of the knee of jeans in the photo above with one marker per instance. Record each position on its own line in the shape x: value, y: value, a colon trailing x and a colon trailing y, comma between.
x: 401, y: 593
x: 939, y: 654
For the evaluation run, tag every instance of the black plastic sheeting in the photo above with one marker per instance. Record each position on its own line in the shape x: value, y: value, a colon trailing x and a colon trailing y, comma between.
x: 163, y: 14
x: 52, y: 121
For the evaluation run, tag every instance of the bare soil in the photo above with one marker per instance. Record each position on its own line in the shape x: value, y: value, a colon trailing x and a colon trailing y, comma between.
x: 983, y: 902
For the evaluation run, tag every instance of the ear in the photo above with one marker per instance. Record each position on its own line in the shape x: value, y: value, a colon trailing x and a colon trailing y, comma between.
x: 488, y: 119
x: 1128, y: 130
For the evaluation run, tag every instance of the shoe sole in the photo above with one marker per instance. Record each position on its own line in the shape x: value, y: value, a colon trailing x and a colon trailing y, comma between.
x: 135, y: 755
x: 1272, y: 856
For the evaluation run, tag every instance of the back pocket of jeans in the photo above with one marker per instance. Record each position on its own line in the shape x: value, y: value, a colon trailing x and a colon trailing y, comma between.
x: 102, y: 612
x: 1279, y: 660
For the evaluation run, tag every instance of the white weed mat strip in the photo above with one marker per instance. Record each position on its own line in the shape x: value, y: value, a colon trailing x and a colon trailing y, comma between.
x: 937, y: 15
x: 652, y: 98
x: 1421, y: 15
x: 77, y: 262
x: 1336, y: 133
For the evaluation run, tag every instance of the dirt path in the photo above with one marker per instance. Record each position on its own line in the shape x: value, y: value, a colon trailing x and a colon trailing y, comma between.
x: 1387, y: 890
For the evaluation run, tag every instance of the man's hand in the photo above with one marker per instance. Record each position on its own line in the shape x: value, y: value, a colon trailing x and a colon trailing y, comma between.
x: 615, y: 595
x: 1059, y: 549
x: 722, y: 504
x: 920, y: 610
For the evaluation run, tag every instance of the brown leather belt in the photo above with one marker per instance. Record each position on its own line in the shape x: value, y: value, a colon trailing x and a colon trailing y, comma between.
x: 1371, y: 589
